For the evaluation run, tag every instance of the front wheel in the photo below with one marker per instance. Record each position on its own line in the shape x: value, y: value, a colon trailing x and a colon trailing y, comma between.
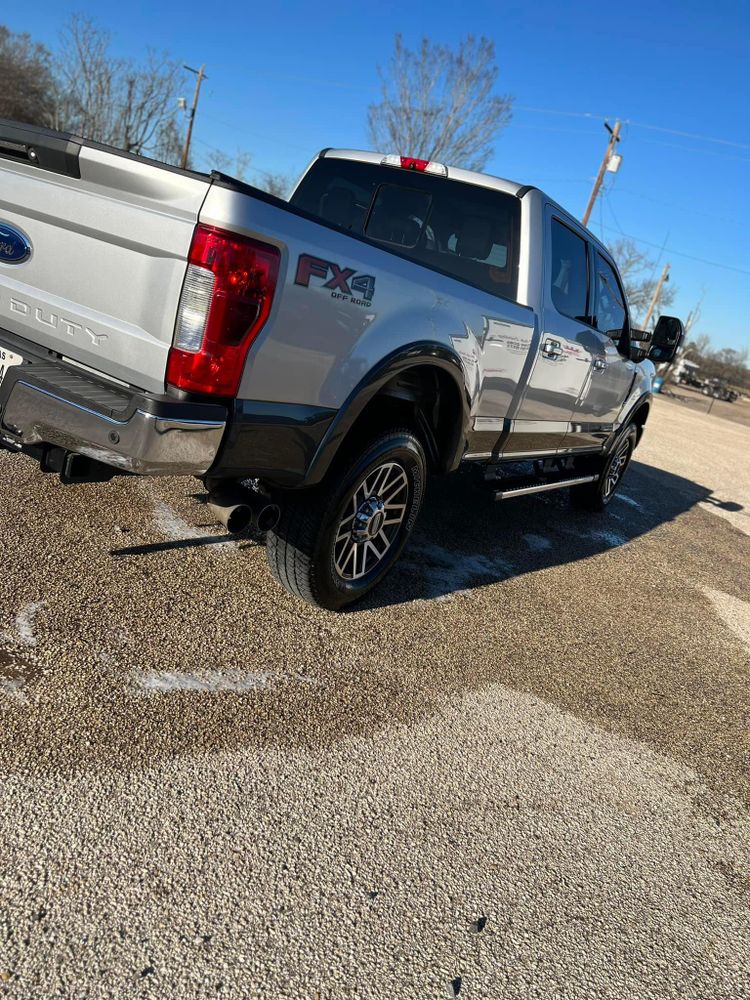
x: 597, y: 495
x: 335, y: 542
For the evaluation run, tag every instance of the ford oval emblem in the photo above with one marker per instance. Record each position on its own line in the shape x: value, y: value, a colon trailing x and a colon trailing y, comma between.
x: 15, y: 246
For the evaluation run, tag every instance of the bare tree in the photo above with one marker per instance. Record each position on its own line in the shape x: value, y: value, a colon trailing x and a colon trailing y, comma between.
x: 438, y: 103
x: 28, y: 91
x: 236, y: 166
x: 700, y: 345
x: 239, y: 166
x: 636, y: 269
x: 278, y: 185
x: 118, y: 101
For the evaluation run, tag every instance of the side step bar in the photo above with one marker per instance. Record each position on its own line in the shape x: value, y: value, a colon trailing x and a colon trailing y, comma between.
x: 511, y: 491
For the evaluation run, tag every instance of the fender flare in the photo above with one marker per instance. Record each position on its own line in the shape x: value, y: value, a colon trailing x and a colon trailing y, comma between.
x: 645, y: 397
x: 418, y: 354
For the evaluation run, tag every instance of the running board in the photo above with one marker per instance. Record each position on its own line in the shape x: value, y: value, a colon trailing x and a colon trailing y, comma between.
x: 558, y: 484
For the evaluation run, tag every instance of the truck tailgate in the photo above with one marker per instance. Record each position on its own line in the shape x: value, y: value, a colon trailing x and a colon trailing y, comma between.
x: 108, y: 257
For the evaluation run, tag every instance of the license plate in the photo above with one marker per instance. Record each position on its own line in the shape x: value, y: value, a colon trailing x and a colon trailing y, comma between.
x: 7, y: 360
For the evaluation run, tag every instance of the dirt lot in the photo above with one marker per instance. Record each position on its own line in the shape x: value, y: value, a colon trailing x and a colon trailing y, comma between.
x: 522, y: 770
x: 738, y: 412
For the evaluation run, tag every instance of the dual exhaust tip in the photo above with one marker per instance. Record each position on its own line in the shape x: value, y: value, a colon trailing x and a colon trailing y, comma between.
x: 237, y: 509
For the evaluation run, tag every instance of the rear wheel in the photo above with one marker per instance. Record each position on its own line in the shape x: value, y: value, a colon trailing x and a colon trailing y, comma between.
x: 597, y: 495
x: 336, y: 542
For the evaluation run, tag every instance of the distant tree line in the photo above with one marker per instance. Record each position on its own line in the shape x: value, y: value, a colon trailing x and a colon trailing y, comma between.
x: 726, y: 363
x: 84, y: 89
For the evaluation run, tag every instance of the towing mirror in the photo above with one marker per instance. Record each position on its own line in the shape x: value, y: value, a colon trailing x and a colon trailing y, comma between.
x: 639, y: 340
x: 666, y: 339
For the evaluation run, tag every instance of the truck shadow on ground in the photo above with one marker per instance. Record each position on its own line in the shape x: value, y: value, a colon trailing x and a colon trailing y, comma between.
x: 629, y: 643
x: 465, y: 539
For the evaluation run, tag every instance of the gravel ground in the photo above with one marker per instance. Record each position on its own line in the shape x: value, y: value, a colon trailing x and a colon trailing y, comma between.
x: 521, y: 770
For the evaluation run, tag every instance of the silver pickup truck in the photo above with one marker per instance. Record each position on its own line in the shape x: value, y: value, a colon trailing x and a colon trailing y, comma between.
x: 312, y: 361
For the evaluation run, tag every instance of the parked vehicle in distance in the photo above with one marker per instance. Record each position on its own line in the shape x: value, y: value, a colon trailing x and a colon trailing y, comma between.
x: 395, y: 318
x: 717, y: 388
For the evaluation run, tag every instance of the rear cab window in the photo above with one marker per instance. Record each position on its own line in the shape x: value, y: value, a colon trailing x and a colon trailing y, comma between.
x: 463, y: 230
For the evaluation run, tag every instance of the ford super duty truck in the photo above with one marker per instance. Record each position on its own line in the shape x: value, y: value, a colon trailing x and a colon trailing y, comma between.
x: 395, y: 318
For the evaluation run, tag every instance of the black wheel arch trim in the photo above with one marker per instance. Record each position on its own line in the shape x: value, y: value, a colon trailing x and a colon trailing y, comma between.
x: 418, y: 354
x: 627, y: 419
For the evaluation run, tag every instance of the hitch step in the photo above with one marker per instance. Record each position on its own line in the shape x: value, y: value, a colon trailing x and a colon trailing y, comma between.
x: 516, y: 489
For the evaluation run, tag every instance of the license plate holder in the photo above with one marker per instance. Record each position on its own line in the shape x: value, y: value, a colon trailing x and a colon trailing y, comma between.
x: 8, y: 360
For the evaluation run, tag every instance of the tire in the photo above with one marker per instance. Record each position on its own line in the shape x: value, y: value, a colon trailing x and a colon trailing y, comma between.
x: 329, y: 547
x: 597, y: 495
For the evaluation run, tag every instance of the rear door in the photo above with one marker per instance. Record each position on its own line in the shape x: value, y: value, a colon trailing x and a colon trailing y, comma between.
x: 109, y: 238
x: 567, y: 345
x: 611, y: 372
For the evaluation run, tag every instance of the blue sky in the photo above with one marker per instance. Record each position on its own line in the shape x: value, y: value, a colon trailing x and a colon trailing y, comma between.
x: 287, y: 79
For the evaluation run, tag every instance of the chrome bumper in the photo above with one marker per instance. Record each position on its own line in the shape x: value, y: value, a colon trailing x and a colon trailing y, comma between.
x: 149, y: 444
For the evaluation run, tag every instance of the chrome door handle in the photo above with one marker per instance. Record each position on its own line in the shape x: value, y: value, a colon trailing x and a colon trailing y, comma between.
x: 552, y: 348
x: 598, y: 364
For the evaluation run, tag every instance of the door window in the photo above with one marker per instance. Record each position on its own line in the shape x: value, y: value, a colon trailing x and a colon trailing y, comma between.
x: 610, y: 312
x: 569, y: 272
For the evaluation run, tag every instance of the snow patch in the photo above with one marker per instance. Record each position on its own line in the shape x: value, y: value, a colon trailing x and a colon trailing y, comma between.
x: 446, y: 574
x: 212, y: 681
x: 12, y: 687
x: 24, y: 623
x: 610, y: 538
x: 23, y: 633
x: 631, y: 501
x: 537, y: 543
x: 205, y: 680
x: 169, y: 523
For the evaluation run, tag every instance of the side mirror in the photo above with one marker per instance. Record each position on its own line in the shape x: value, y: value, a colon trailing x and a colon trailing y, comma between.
x: 638, y: 341
x: 666, y: 339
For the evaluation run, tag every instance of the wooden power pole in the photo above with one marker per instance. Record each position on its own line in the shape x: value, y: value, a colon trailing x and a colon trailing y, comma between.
x: 657, y: 293
x: 614, y: 138
x: 200, y: 73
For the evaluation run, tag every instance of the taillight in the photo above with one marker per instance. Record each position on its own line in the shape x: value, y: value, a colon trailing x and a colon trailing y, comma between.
x: 413, y: 163
x: 226, y: 299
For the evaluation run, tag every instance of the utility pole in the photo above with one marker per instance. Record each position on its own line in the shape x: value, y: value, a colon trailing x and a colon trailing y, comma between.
x: 200, y: 73
x: 657, y: 293
x: 610, y: 162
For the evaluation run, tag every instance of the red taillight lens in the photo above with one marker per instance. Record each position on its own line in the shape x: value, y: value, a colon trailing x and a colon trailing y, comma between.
x: 226, y: 299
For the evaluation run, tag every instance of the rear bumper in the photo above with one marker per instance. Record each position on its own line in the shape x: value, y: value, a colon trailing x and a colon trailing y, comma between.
x: 47, y: 402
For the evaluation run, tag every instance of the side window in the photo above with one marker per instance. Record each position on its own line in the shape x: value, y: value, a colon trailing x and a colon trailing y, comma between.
x: 610, y: 313
x: 569, y: 272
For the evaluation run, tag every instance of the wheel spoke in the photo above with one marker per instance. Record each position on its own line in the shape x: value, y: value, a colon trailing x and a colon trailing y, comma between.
x: 395, y: 492
x: 361, y: 542
x: 381, y: 479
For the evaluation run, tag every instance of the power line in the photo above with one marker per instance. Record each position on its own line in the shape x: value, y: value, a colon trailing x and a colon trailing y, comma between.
x: 628, y: 121
x: 677, y: 253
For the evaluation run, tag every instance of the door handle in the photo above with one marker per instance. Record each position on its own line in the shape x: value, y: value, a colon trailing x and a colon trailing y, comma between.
x: 552, y: 348
x: 598, y: 364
